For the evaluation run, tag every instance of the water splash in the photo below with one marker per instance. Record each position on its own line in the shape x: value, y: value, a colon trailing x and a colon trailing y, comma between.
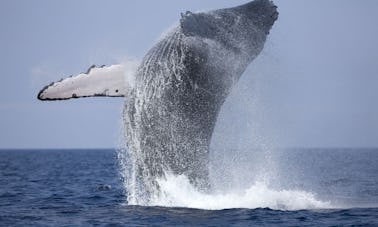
x: 176, y: 191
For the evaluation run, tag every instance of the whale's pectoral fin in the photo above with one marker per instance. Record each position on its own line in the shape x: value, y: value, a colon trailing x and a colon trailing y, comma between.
x: 107, y: 81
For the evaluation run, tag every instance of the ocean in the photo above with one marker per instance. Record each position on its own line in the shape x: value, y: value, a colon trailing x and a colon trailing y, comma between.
x: 298, y: 187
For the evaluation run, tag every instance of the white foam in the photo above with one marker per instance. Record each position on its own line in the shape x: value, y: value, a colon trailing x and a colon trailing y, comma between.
x: 176, y: 191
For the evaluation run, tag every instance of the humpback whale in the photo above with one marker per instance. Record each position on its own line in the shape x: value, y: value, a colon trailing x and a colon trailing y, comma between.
x: 178, y: 89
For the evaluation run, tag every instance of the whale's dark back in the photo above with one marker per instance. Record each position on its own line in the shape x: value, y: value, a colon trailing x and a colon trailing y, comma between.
x: 179, y: 90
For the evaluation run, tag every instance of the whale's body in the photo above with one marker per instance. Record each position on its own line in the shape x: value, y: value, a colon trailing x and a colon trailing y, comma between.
x: 180, y: 86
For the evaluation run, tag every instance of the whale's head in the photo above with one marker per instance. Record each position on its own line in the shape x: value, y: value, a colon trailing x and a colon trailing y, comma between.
x: 243, y: 28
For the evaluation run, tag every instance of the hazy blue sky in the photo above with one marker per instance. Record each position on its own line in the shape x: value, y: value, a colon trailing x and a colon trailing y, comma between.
x: 315, y: 84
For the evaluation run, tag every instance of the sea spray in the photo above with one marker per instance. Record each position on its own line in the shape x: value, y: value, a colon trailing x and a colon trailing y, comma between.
x: 255, y: 192
x: 176, y: 191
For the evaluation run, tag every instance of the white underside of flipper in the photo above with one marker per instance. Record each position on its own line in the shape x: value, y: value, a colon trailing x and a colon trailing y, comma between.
x: 107, y: 81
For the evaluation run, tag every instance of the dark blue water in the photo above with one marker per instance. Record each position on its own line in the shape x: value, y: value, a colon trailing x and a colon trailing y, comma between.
x: 84, y: 187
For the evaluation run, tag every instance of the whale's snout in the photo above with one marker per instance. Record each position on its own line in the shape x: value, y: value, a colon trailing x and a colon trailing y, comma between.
x: 275, y: 12
x: 261, y: 12
x: 274, y: 15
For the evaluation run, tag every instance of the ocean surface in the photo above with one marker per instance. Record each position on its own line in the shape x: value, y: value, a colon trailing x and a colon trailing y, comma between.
x: 299, y: 187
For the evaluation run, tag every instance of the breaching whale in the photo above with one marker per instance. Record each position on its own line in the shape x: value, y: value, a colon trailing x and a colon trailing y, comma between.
x: 178, y: 89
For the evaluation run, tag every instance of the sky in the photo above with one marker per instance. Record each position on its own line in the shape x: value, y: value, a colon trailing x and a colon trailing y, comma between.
x: 314, y: 85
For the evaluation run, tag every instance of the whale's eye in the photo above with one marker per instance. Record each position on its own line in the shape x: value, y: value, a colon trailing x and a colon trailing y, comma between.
x: 116, y: 91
